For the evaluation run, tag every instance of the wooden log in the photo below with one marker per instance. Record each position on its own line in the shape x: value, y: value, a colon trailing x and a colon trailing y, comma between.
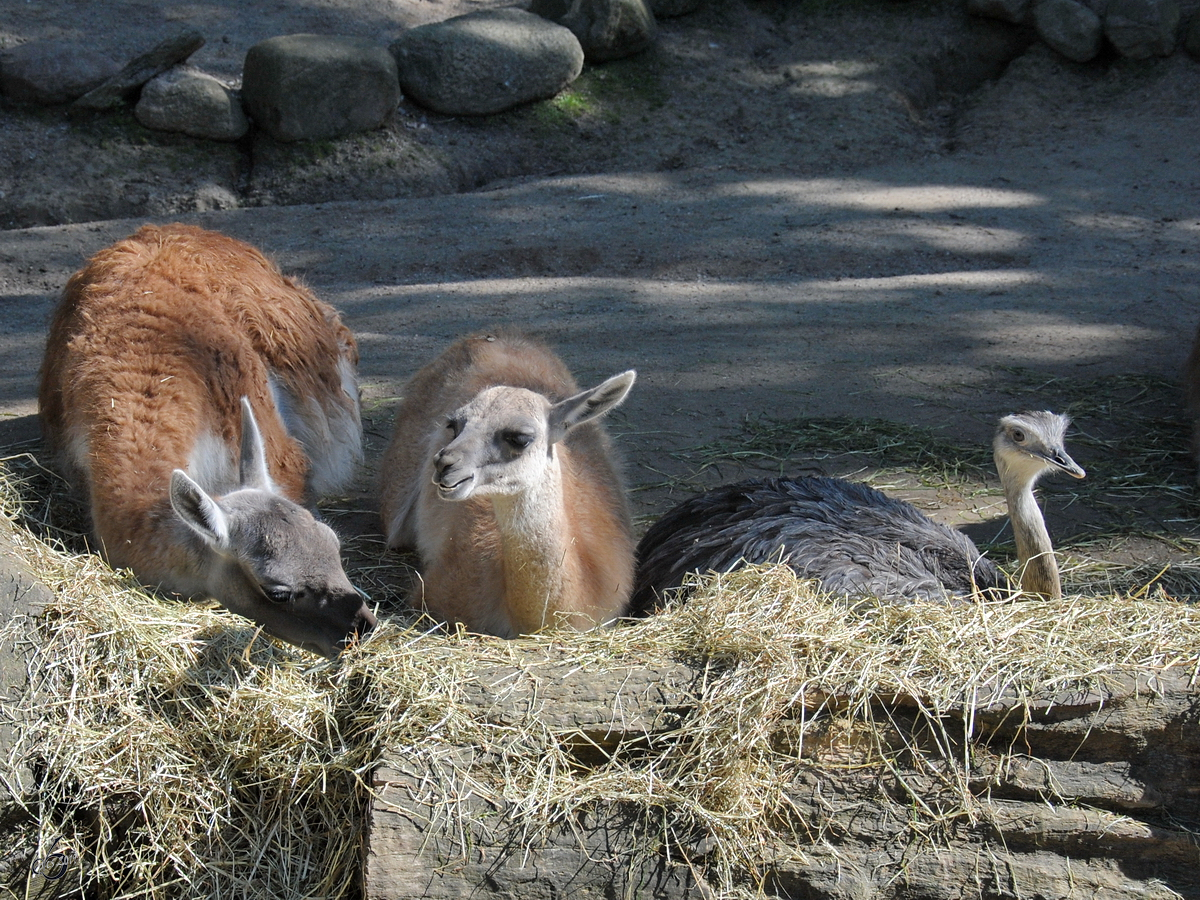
x: 22, y: 599
x: 438, y: 832
x: 1091, y: 794
x: 435, y: 835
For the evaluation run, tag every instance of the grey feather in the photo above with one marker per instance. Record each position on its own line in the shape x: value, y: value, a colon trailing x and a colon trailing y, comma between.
x: 856, y: 540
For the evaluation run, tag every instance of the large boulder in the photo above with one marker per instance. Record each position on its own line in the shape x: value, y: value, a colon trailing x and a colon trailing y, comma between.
x: 1140, y: 29
x: 192, y: 102
x: 1069, y: 27
x: 607, y: 29
x: 309, y: 87
x: 486, y: 62
x: 50, y: 72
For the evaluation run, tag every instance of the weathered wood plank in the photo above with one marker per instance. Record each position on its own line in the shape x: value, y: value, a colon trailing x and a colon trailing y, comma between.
x: 435, y: 834
x: 565, y: 696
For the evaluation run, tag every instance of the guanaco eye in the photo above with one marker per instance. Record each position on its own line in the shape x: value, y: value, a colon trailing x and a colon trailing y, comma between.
x: 1018, y: 435
x: 277, y: 594
x: 518, y: 440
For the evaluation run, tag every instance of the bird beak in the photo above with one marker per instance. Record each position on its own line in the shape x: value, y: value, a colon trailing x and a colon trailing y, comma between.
x: 1066, y: 464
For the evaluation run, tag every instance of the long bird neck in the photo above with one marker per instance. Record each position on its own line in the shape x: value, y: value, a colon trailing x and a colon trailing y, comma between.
x: 1039, y: 570
x: 535, y: 543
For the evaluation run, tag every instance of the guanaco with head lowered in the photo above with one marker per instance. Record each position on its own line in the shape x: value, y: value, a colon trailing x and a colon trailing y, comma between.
x: 197, y: 397
x: 501, y: 477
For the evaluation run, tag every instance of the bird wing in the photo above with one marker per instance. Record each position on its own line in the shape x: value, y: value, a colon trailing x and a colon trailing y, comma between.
x: 856, y: 540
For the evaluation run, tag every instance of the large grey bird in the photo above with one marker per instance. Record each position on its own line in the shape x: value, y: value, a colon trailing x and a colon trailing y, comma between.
x: 854, y: 539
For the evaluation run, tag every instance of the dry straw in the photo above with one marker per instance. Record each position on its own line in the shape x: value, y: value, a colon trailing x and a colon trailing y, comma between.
x: 182, y: 754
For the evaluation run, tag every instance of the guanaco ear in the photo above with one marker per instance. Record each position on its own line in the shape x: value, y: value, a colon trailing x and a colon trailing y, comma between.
x: 588, y: 405
x: 253, y: 472
x: 198, y: 510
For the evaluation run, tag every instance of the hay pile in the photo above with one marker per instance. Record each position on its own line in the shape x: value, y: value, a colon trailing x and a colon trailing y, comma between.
x: 182, y: 754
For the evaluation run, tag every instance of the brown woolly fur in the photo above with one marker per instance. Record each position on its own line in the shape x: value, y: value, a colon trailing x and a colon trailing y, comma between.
x: 196, y: 359
x: 574, y: 558
x: 155, y: 350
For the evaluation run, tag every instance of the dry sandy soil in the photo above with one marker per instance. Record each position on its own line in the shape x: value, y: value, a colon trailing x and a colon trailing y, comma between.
x: 791, y: 210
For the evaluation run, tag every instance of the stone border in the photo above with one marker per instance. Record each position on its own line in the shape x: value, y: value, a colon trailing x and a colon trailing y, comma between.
x: 481, y: 63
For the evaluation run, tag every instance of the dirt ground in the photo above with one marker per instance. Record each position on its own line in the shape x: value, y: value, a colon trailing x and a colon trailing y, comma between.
x: 871, y: 210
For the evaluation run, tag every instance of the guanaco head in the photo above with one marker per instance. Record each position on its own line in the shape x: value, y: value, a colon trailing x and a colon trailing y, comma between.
x: 502, y: 441
x: 272, y: 561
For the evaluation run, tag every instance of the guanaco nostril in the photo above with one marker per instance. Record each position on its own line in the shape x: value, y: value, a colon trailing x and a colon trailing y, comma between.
x: 441, y: 465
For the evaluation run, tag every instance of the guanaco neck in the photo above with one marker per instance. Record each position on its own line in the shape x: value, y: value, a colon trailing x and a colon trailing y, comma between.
x: 536, y: 545
x: 1035, y: 553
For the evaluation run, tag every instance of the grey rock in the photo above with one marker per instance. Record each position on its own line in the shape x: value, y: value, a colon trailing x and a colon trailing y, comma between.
x: 192, y: 102
x: 486, y: 62
x: 50, y: 72
x: 607, y: 29
x: 310, y: 87
x: 171, y: 52
x: 669, y: 9
x: 215, y: 196
x: 1140, y: 29
x: 1191, y: 37
x: 1006, y: 10
x: 1069, y: 27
